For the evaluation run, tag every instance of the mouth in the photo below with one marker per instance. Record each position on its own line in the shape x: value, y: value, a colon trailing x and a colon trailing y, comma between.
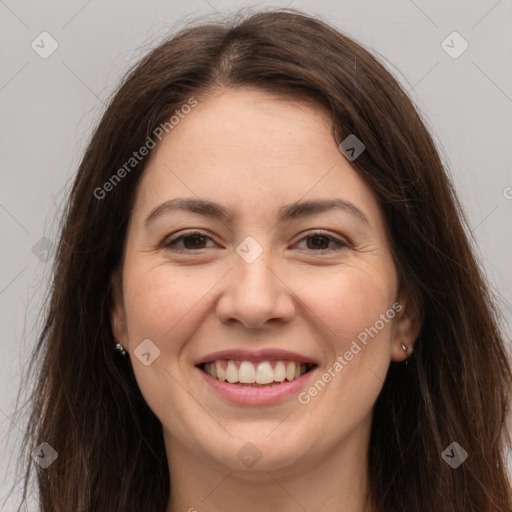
x: 256, y: 378
x: 260, y: 374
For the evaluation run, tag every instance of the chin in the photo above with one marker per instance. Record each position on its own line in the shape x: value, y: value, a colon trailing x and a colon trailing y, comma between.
x: 253, y: 452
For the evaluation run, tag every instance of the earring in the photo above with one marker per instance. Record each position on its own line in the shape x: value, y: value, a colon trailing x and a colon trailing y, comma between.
x: 405, y: 349
x: 120, y: 348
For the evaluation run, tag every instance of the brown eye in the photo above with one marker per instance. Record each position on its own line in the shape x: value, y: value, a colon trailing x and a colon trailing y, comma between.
x: 195, y: 241
x: 320, y: 242
x: 191, y: 241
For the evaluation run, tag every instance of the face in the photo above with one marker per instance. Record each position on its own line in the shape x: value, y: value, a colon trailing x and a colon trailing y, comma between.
x: 260, y: 283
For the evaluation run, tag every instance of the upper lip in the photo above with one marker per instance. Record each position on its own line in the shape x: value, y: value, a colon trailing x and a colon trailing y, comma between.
x: 269, y: 354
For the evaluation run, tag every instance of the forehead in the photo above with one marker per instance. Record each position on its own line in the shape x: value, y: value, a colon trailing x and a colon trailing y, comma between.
x: 247, y: 147
x: 250, y: 123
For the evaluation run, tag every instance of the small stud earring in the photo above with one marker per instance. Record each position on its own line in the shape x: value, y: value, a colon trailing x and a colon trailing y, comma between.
x: 405, y: 349
x: 120, y: 348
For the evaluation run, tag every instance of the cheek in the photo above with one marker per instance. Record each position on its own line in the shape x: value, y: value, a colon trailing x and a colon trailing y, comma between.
x: 162, y: 305
x: 349, y: 302
x: 156, y: 302
x: 355, y: 308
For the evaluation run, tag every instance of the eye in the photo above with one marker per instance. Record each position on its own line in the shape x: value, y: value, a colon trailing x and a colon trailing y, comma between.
x: 192, y: 240
x: 319, y: 241
x: 196, y: 241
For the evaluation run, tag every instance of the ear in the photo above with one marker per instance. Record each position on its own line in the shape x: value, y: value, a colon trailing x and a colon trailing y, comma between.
x: 117, y: 312
x: 408, y: 322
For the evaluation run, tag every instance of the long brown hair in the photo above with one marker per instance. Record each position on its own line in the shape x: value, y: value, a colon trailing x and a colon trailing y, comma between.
x: 456, y: 388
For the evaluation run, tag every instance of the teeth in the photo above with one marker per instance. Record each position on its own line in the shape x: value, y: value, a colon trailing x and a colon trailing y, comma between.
x: 221, y: 374
x: 279, y: 371
x: 247, y: 372
x: 232, y: 372
x: 265, y: 373
x: 290, y: 371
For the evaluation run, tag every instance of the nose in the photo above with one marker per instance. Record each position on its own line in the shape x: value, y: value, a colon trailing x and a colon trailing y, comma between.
x: 255, y: 294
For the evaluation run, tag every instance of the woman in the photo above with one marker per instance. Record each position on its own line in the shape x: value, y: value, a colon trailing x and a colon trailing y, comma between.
x: 264, y: 297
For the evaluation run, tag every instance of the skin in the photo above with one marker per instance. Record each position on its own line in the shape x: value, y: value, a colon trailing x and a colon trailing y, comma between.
x: 253, y: 153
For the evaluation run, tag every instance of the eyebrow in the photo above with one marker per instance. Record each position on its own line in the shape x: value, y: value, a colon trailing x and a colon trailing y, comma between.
x: 287, y: 212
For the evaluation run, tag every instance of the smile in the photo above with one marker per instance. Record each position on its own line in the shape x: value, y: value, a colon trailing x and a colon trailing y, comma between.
x: 250, y: 373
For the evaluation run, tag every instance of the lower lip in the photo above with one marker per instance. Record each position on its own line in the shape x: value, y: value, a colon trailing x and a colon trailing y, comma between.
x: 249, y: 395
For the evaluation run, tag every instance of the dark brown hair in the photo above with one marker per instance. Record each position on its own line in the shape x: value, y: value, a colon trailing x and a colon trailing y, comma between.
x: 86, y: 403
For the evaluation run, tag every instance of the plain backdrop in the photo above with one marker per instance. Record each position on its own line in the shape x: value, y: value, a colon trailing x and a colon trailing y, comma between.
x: 49, y: 106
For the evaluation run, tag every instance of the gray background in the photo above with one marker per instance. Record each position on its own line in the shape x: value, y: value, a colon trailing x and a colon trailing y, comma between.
x: 48, y: 108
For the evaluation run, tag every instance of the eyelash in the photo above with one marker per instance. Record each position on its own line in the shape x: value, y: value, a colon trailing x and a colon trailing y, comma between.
x: 170, y: 244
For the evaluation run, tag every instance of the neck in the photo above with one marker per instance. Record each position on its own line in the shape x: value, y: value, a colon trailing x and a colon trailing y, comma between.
x: 328, y: 482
